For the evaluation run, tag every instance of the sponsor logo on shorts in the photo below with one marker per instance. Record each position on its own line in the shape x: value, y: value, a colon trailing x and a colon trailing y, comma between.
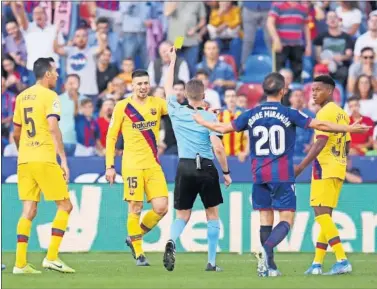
x: 132, y: 192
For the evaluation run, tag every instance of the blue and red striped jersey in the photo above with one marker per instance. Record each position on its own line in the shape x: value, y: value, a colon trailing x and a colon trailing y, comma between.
x: 290, y: 19
x: 108, y: 5
x: 272, y: 134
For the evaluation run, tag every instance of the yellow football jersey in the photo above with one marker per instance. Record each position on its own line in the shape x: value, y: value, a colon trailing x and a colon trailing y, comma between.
x: 33, y: 106
x: 332, y: 160
x: 234, y: 142
x: 140, y: 126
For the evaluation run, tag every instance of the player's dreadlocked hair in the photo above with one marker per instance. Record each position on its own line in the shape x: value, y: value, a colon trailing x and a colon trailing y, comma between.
x: 273, y: 84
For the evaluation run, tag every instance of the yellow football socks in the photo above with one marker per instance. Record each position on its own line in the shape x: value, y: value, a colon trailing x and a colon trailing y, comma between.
x: 23, y: 234
x: 135, y: 233
x: 59, y: 225
x: 332, y: 235
x: 320, y: 248
x: 149, y: 221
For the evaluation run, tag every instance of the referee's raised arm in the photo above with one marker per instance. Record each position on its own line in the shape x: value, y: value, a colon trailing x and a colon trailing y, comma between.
x: 170, y: 74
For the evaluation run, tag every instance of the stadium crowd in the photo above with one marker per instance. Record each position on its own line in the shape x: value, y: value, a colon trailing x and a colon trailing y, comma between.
x: 97, y: 45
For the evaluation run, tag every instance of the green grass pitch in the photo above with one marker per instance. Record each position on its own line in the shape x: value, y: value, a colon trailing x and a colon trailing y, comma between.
x: 118, y: 270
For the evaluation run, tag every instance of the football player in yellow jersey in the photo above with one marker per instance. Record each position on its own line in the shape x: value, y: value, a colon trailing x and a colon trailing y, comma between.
x: 38, y: 140
x: 138, y: 118
x: 329, y: 153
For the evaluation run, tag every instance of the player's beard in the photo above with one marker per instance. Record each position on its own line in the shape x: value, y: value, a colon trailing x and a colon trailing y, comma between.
x: 142, y: 95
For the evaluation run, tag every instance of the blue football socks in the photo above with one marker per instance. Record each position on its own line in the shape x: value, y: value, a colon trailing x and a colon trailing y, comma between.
x: 213, y: 233
x: 176, y: 229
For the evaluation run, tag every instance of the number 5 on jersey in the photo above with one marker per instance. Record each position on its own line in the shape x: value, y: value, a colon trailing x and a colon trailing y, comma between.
x: 29, y: 121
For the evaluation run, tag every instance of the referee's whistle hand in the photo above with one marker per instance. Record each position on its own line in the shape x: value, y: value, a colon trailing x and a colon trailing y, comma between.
x: 227, y: 180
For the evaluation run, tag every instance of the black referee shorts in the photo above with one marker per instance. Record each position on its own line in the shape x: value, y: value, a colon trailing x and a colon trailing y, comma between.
x: 189, y: 182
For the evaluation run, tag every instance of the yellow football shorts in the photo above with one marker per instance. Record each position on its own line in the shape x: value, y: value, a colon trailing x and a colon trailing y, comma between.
x: 34, y: 178
x: 325, y: 193
x: 151, y: 181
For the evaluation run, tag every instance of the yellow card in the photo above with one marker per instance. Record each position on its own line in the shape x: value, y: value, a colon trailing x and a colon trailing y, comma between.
x: 178, y: 42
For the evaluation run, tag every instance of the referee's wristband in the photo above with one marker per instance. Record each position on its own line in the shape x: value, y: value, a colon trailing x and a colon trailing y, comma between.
x: 226, y: 173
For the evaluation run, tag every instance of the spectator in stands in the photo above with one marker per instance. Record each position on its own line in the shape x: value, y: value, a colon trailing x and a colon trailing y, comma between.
x: 368, y: 100
x: 110, y: 10
x: 288, y: 79
x: 157, y: 69
x: 353, y: 175
x: 304, y: 137
x: 167, y: 144
x: 366, y: 66
x: 242, y: 102
x: 69, y: 102
x: 136, y: 19
x: 16, y: 76
x: 158, y: 91
x: 117, y: 90
x: 87, y: 130
x: 4, y: 138
x: 211, y: 95
x: 81, y: 60
x: 290, y: 45
x: 39, y: 35
x: 350, y: 15
x: 104, y: 119
x: 374, y: 151
x: 8, y: 100
x: 334, y: 49
x: 235, y: 143
x: 103, y: 27
x: 316, y: 14
x: 369, y: 38
x: 128, y: 67
x: 106, y: 71
x: 360, y: 143
x: 179, y: 90
x: 186, y: 19
x: 15, y: 43
x: 254, y: 14
x: 225, y: 27
x: 221, y: 75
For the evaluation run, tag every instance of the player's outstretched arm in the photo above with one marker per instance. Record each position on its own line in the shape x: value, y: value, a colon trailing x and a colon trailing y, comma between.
x: 314, y: 151
x: 214, y: 126
x: 333, y: 127
x: 169, y: 81
x: 219, y: 150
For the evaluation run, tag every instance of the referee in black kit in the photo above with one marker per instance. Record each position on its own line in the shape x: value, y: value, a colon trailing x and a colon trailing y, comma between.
x: 196, y: 173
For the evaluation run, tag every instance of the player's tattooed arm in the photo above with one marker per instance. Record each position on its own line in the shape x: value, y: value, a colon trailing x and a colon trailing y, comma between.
x: 314, y: 151
x: 334, y: 127
x: 214, y: 126
x: 53, y: 125
x: 17, y: 135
